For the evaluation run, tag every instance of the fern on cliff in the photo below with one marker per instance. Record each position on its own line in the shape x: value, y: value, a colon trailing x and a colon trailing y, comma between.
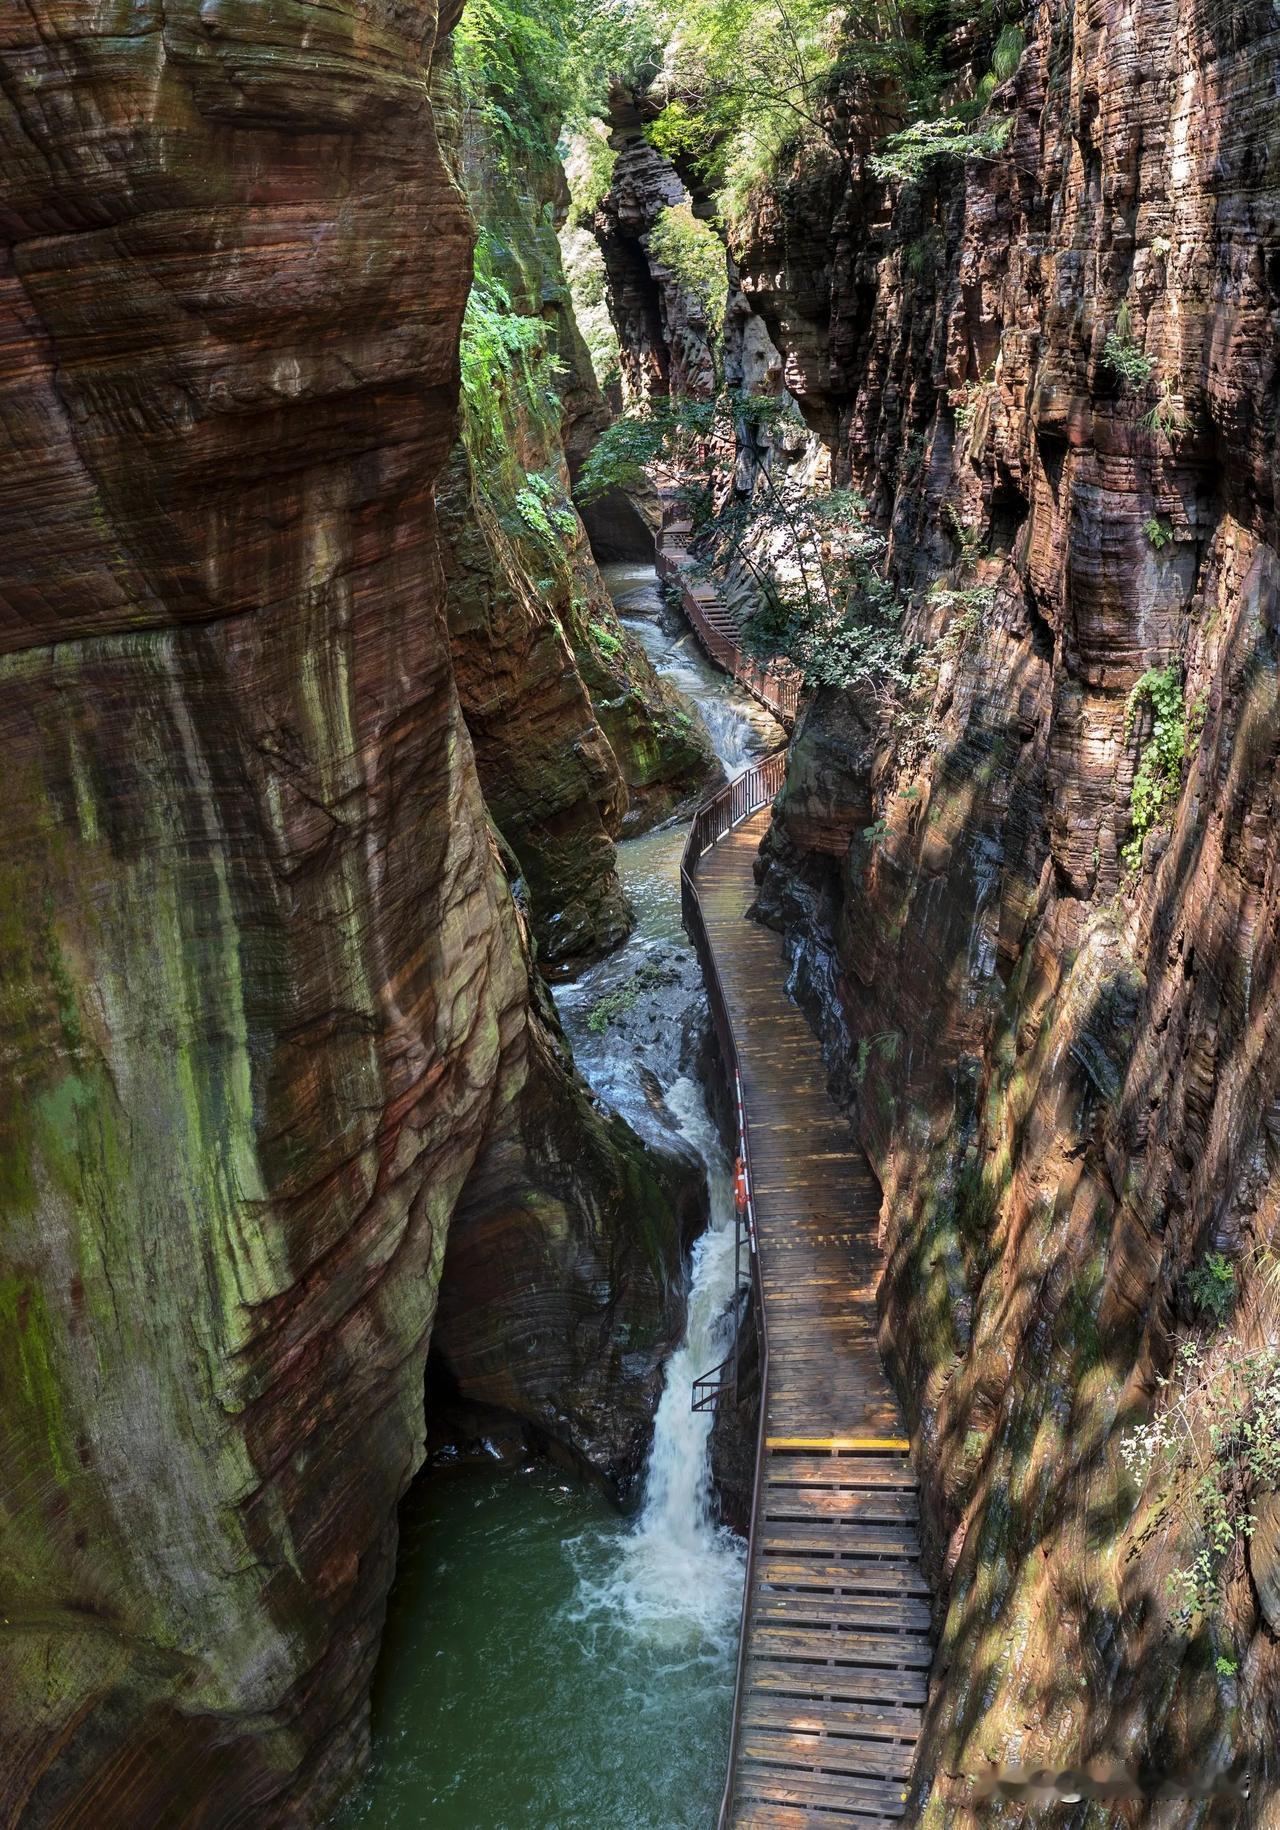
x: 1159, y: 773
x: 502, y: 350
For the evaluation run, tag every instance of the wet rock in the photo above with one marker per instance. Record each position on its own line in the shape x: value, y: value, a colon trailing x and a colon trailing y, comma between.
x: 268, y: 1012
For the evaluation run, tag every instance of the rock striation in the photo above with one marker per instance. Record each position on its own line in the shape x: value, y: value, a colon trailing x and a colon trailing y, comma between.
x: 664, y: 334
x: 1047, y: 1017
x: 577, y: 738
x: 1033, y: 915
x: 267, y: 1012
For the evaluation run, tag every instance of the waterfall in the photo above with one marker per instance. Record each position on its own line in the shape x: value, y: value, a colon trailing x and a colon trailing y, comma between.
x: 677, y: 1577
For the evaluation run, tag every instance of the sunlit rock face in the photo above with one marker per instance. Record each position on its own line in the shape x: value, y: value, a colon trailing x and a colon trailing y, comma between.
x: 1060, y: 1067
x: 578, y: 741
x: 665, y: 338
x: 265, y: 995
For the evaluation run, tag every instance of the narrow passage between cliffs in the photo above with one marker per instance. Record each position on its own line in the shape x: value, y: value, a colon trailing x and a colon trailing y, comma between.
x: 547, y: 1662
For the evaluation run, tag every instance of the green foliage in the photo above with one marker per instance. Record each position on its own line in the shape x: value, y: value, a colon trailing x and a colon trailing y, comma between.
x: 1007, y: 54
x: 529, y: 68
x: 1159, y: 773
x: 696, y: 255
x: 821, y: 600
x: 968, y: 541
x: 502, y: 351
x: 608, y: 641
x: 1157, y: 531
x: 1213, y: 1286
x: 1226, y: 1667
x: 964, y: 401
x: 966, y: 609
x: 1122, y: 354
x: 745, y: 79
x: 589, y: 162
x: 621, y: 456
x: 1214, y: 1449
x: 544, y: 513
x: 905, y: 157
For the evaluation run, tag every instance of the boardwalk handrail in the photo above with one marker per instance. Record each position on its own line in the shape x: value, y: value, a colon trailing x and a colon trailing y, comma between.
x: 776, y: 685
x: 737, y: 801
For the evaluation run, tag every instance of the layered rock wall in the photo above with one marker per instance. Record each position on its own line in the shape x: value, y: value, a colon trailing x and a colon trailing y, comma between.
x: 665, y: 338
x: 266, y: 1009
x: 1059, y: 1065
x: 577, y: 738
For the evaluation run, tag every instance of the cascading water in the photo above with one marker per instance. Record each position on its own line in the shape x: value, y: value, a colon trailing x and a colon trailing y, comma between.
x: 547, y: 1665
x: 677, y: 1579
x: 740, y: 729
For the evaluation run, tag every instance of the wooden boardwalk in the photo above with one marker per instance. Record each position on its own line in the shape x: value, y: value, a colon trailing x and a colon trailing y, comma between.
x: 837, y: 1650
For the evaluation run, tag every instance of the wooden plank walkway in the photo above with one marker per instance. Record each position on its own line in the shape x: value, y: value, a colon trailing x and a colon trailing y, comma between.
x: 837, y: 1654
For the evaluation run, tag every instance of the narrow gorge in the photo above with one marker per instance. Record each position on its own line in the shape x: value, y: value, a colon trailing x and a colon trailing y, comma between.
x: 441, y: 450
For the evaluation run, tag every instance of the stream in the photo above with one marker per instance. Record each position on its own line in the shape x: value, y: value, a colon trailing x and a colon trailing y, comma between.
x: 548, y: 1664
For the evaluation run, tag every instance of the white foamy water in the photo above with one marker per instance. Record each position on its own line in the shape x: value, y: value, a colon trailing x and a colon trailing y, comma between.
x: 676, y: 1579
x: 740, y: 730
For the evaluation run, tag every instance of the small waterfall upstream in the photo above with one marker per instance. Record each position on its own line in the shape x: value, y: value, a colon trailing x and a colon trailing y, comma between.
x: 677, y: 1579
x: 548, y: 1665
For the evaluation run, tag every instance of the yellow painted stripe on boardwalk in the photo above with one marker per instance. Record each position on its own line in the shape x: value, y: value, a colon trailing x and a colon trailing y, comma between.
x: 837, y: 1442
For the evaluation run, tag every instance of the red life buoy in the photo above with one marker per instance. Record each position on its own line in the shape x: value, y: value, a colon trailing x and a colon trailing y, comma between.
x: 740, y: 1186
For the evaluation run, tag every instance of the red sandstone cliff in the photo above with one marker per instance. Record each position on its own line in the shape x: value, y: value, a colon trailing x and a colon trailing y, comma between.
x: 266, y: 1011
x: 1063, y: 1072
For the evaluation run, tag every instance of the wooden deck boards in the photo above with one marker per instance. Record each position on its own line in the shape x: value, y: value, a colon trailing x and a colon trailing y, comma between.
x: 838, y: 1647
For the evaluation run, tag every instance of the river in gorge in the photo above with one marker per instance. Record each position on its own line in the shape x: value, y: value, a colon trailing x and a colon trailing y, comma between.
x: 548, y: 1664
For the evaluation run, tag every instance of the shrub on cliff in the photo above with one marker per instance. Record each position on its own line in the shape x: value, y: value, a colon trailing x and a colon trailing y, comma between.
x: 696, y: 255
x: 821, y: 601
x: 1211, y: 1453
x: 905, y: 157
x: 1158, y: 776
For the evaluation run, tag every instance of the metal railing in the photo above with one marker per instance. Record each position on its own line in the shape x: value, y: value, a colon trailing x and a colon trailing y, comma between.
x: 756, y: 787
x: 776, y: 686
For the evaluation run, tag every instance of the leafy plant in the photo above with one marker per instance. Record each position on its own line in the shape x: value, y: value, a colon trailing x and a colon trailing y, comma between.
x: 821, y: 600
x: 1157, y: 531
x: 1213, y: 1286
x: 501, y: 348
x: 1215, y: 1450
x: 887, y: 1043
x: 544, y: 512
x: 1159, y: 773
x: 1007, y: 54
x: 696, y: 255
x: 968, y: 541
x: 1123, y: 355
x: 1167, y: 415
x: 745, y: 79
x: 589, y: 162
x: 966, y: 609
x: 905, y: 156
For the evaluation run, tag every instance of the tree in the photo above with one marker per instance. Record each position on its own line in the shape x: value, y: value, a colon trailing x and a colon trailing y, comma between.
x: 821, y: 600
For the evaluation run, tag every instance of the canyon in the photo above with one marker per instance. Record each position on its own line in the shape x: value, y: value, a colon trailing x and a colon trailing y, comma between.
x: 322, y: 732
x: 271, y: 1024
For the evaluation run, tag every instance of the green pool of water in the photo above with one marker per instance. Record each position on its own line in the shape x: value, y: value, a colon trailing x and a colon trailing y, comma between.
x: 520, y: 1686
